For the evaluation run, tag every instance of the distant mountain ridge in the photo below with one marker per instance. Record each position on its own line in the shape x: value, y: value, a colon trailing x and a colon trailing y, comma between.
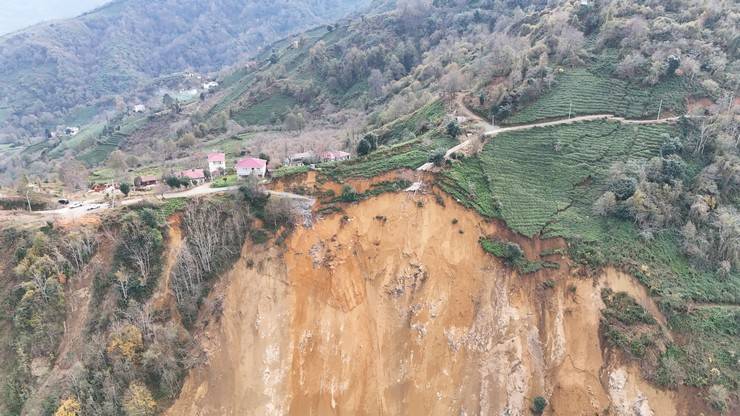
x: 48, y: 69
x: 17, y: 15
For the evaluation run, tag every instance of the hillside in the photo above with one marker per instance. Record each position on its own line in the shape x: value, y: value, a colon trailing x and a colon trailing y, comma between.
x: 55, y: 71
x: 539, y: 215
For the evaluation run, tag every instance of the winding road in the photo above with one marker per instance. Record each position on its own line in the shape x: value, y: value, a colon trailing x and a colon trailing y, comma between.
x: 471, y: 145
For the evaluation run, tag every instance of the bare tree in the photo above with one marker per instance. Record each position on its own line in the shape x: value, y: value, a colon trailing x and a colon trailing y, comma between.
x: 73, y: 175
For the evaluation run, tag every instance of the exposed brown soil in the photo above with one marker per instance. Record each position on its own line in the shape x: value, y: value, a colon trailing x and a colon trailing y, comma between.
x: 163, y: 299
x: 396, y: 310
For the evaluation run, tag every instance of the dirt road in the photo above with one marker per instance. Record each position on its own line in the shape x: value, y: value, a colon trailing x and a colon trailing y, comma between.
x: 473, y: 144
x: 89, y: 207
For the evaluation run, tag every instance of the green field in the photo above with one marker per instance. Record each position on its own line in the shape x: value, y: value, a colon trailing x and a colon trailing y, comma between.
x: 103, y: 146
x: 521, y: 178
x: 407, y: 155
x: 398, y: 130
x: 592, y: 94
x: 265, y: 112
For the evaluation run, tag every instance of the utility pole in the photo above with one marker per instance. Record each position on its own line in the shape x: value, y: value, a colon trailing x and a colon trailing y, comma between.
x: 660, y: 107
x: 729, y: 105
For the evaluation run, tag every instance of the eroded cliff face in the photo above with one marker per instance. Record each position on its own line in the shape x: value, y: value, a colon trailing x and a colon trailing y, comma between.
x: 395, y: 309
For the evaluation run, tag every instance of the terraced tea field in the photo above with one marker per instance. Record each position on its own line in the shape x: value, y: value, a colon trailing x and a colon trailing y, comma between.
x: 592, y: 94
x: 544, y: 180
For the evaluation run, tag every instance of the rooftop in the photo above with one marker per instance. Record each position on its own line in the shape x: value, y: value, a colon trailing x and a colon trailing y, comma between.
x: 251, y: 163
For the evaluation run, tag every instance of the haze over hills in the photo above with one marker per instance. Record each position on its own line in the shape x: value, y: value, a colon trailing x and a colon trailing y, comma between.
x: 49, y: 69
x: 17, y: 15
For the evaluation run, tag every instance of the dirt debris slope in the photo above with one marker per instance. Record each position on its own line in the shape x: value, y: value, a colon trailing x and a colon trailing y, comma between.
x: 394, y: 308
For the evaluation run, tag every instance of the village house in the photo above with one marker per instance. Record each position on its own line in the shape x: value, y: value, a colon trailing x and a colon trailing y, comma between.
x: 207, y: 86
x: 71, y: 131
x: 196, y: 176
x: 251, y: 166
x: 139, y: 108
x: 148, y: 180
x: 334, y: 156
x: 216, y: 163
x: 303, y: 158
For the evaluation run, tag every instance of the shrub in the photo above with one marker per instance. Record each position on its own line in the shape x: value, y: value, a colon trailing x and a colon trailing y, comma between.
x: 349, y: 194
x: 538, y: 405
x: 125, y: 188
x: 453, y: 130
x: 68, y: 407
x: 139, y: 401
x: 718, y: 397
x: 623, y: 188
x: 437, y: 157
x: 259, y: 236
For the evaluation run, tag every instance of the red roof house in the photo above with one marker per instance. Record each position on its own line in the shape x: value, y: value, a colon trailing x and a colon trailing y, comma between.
x: 148, y: 180
x: 193, y: 174
x: 251, y: 166
x: 216, y: 163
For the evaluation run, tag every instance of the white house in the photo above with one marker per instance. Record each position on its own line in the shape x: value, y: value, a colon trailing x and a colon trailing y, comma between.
x: 333, y: 156
x: 207, y: 86
x: 71, y: 131
x: 300, y: 158
x: 216, y: 163
x: 251, y: 166
x: 139, y: 108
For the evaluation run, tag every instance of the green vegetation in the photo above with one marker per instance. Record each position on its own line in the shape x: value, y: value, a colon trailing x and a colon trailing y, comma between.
x: 547, y: 182
x: 35, y: 309
x: 417, y: 123
x: 268, y: 111
x: 110, y: 140
x: 349, y: 194
x: 511, y: 253
x: 581, y: 91
x: 628, y: 326
x: 409, y: 155
x: 544, y: 180
x: 284, y: 171
x: 225, y: 181
x: 538, y: 405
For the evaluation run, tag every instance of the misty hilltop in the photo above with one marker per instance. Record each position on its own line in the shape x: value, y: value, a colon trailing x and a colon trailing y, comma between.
x: 51, y: 68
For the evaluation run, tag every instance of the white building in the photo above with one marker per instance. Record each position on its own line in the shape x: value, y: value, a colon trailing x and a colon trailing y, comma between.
x: 251, y: 166
x: 216, y: 163
x: 207, y: 86
x: 139, y: 108
x: 300, y: 158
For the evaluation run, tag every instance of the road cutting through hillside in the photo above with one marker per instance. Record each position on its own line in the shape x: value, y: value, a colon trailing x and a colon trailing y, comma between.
x: 474, y: 144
